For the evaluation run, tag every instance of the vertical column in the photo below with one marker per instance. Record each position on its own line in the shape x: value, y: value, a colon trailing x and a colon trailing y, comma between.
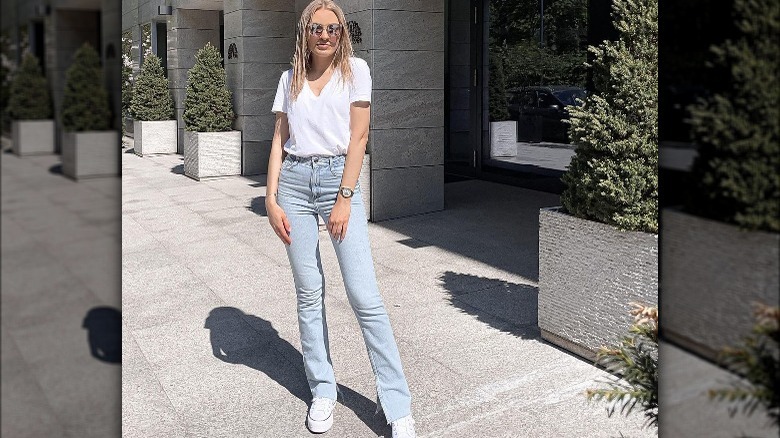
x: 189, y: 30
x: 407, y: 136
x: 259, y: 45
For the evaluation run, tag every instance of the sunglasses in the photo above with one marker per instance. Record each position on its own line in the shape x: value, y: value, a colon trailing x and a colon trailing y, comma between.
x: 334, y: 30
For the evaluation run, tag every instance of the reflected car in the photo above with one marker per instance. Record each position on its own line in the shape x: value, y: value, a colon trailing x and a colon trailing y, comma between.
x: 540, y: 111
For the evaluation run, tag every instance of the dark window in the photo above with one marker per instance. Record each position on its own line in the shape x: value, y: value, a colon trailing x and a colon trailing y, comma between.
x: 161, y: 49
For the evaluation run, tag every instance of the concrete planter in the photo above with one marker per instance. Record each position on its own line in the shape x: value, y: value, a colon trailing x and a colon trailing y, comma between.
x: 365, y: 184
x: 589, y: 272
x: 90, y: 154
x: 210, y: 154
x: 158, y: 137
x: 33, y: 137
x: 503, y: 139
x: 712, y: 272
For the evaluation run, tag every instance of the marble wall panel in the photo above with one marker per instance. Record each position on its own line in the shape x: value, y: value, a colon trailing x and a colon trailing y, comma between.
x: 410, y: 5
x: 406, y: 191
x: 408, y: 70
x: 405, y: 30
x: 259, y: 5
x: 254, y: 157
x: 265, y: 50
x: 407, y: 109
x: 407, y: 147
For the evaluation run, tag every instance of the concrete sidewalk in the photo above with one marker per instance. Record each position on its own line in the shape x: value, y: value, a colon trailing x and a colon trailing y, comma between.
x: 210, y: 335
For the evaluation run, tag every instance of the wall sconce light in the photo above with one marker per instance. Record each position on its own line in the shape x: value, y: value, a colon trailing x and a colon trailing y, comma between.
x: 164, y: 10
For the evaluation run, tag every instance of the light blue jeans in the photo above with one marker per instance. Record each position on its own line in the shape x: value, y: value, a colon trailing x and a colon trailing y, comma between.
x: 308, y: 187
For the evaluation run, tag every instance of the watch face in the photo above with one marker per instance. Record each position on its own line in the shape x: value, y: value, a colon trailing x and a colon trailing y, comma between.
x: 346, y: 192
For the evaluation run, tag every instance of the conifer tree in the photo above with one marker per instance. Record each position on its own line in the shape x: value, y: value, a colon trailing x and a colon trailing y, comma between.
x: 207, y: 105
x: 29, y: 92
x: 737, y: 171
x: 151, y: 99
x: 85, y: 100
x: 613, y: 178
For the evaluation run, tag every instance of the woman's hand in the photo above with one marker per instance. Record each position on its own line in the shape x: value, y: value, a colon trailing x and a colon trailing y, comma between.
x: 278, y: 220
x: 339, y: 219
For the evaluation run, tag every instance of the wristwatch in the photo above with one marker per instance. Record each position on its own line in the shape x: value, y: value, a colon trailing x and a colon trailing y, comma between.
x: 346, y: 192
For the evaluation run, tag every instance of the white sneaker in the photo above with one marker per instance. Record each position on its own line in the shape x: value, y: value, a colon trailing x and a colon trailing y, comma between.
x: 404, y: 427
x: 320, y: 417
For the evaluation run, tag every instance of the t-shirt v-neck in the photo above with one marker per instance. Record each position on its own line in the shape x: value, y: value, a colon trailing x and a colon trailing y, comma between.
x: 322, y: 90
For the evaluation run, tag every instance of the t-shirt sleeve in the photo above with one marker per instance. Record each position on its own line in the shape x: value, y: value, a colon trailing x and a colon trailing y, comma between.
x: 282, y: 94
x: 361, y: 82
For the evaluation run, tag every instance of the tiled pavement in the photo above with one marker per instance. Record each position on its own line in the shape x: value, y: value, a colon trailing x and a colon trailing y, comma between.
x: 210, y: 336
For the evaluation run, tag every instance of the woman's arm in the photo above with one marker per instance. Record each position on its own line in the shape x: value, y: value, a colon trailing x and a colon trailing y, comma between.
x: 276, y: 215
x: 359, y: 118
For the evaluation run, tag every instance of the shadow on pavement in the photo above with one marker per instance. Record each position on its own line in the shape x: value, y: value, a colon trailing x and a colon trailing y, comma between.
x: 258, y: 206
x: 178, y: 169
x: 104, y: 331
x: 130, y: 151
x: 230, y: 326
x: 56, y: 169
x: 506, y: 306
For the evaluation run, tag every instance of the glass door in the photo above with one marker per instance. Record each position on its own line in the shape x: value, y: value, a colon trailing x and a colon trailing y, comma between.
x: 533, y: 55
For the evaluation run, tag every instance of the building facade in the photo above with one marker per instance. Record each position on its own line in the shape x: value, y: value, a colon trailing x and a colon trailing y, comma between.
x: 430, y: 67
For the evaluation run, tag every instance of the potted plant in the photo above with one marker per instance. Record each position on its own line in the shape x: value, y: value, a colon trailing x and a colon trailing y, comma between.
x: 154, y: 129
x: 90, y: 147
x: 29, y: 107
x: 720, y: 249
x: 599, y: 250
x: 503, y: 132
x: 211, y: 147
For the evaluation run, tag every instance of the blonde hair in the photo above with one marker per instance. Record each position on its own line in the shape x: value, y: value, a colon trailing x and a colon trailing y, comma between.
x: 302, y: 58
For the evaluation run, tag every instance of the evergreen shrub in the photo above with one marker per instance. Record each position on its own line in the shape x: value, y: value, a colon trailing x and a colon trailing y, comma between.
x: 737, y: 130
x: 207, y: 105
x: 151, y: 98
x: 29, y: 97
x: 613, y: 177
x: 85, y: 100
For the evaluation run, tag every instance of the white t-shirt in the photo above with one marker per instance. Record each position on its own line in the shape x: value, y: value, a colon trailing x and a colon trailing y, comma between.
x: 319, y: 125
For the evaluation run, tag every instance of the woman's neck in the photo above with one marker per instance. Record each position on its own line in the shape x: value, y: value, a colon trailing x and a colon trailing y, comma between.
x: 320, y: 65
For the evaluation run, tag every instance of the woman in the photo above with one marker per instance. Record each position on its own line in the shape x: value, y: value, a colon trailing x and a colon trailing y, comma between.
x: 322, y: 111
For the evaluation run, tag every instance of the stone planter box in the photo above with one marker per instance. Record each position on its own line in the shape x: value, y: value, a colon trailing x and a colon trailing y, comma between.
x: 589, y: 272
x: 210, y: 154
x: 712, y: 272
x: 365, y: 184
x: 90, y: 154
x: 503, y: 139
x: 155, y: 137
x: 33, y: 137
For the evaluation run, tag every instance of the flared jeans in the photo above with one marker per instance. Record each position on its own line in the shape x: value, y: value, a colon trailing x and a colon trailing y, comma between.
x: 308, y: 187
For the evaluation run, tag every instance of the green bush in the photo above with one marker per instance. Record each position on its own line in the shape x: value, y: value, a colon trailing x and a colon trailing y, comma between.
x: 613, y: 178
x: 635, y: 360
x: 737, y: 172
x: 207, y: 105
x: 29, y: 97
x: 151, y: 99
x: 758, y: 361
x: 85, y: 100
